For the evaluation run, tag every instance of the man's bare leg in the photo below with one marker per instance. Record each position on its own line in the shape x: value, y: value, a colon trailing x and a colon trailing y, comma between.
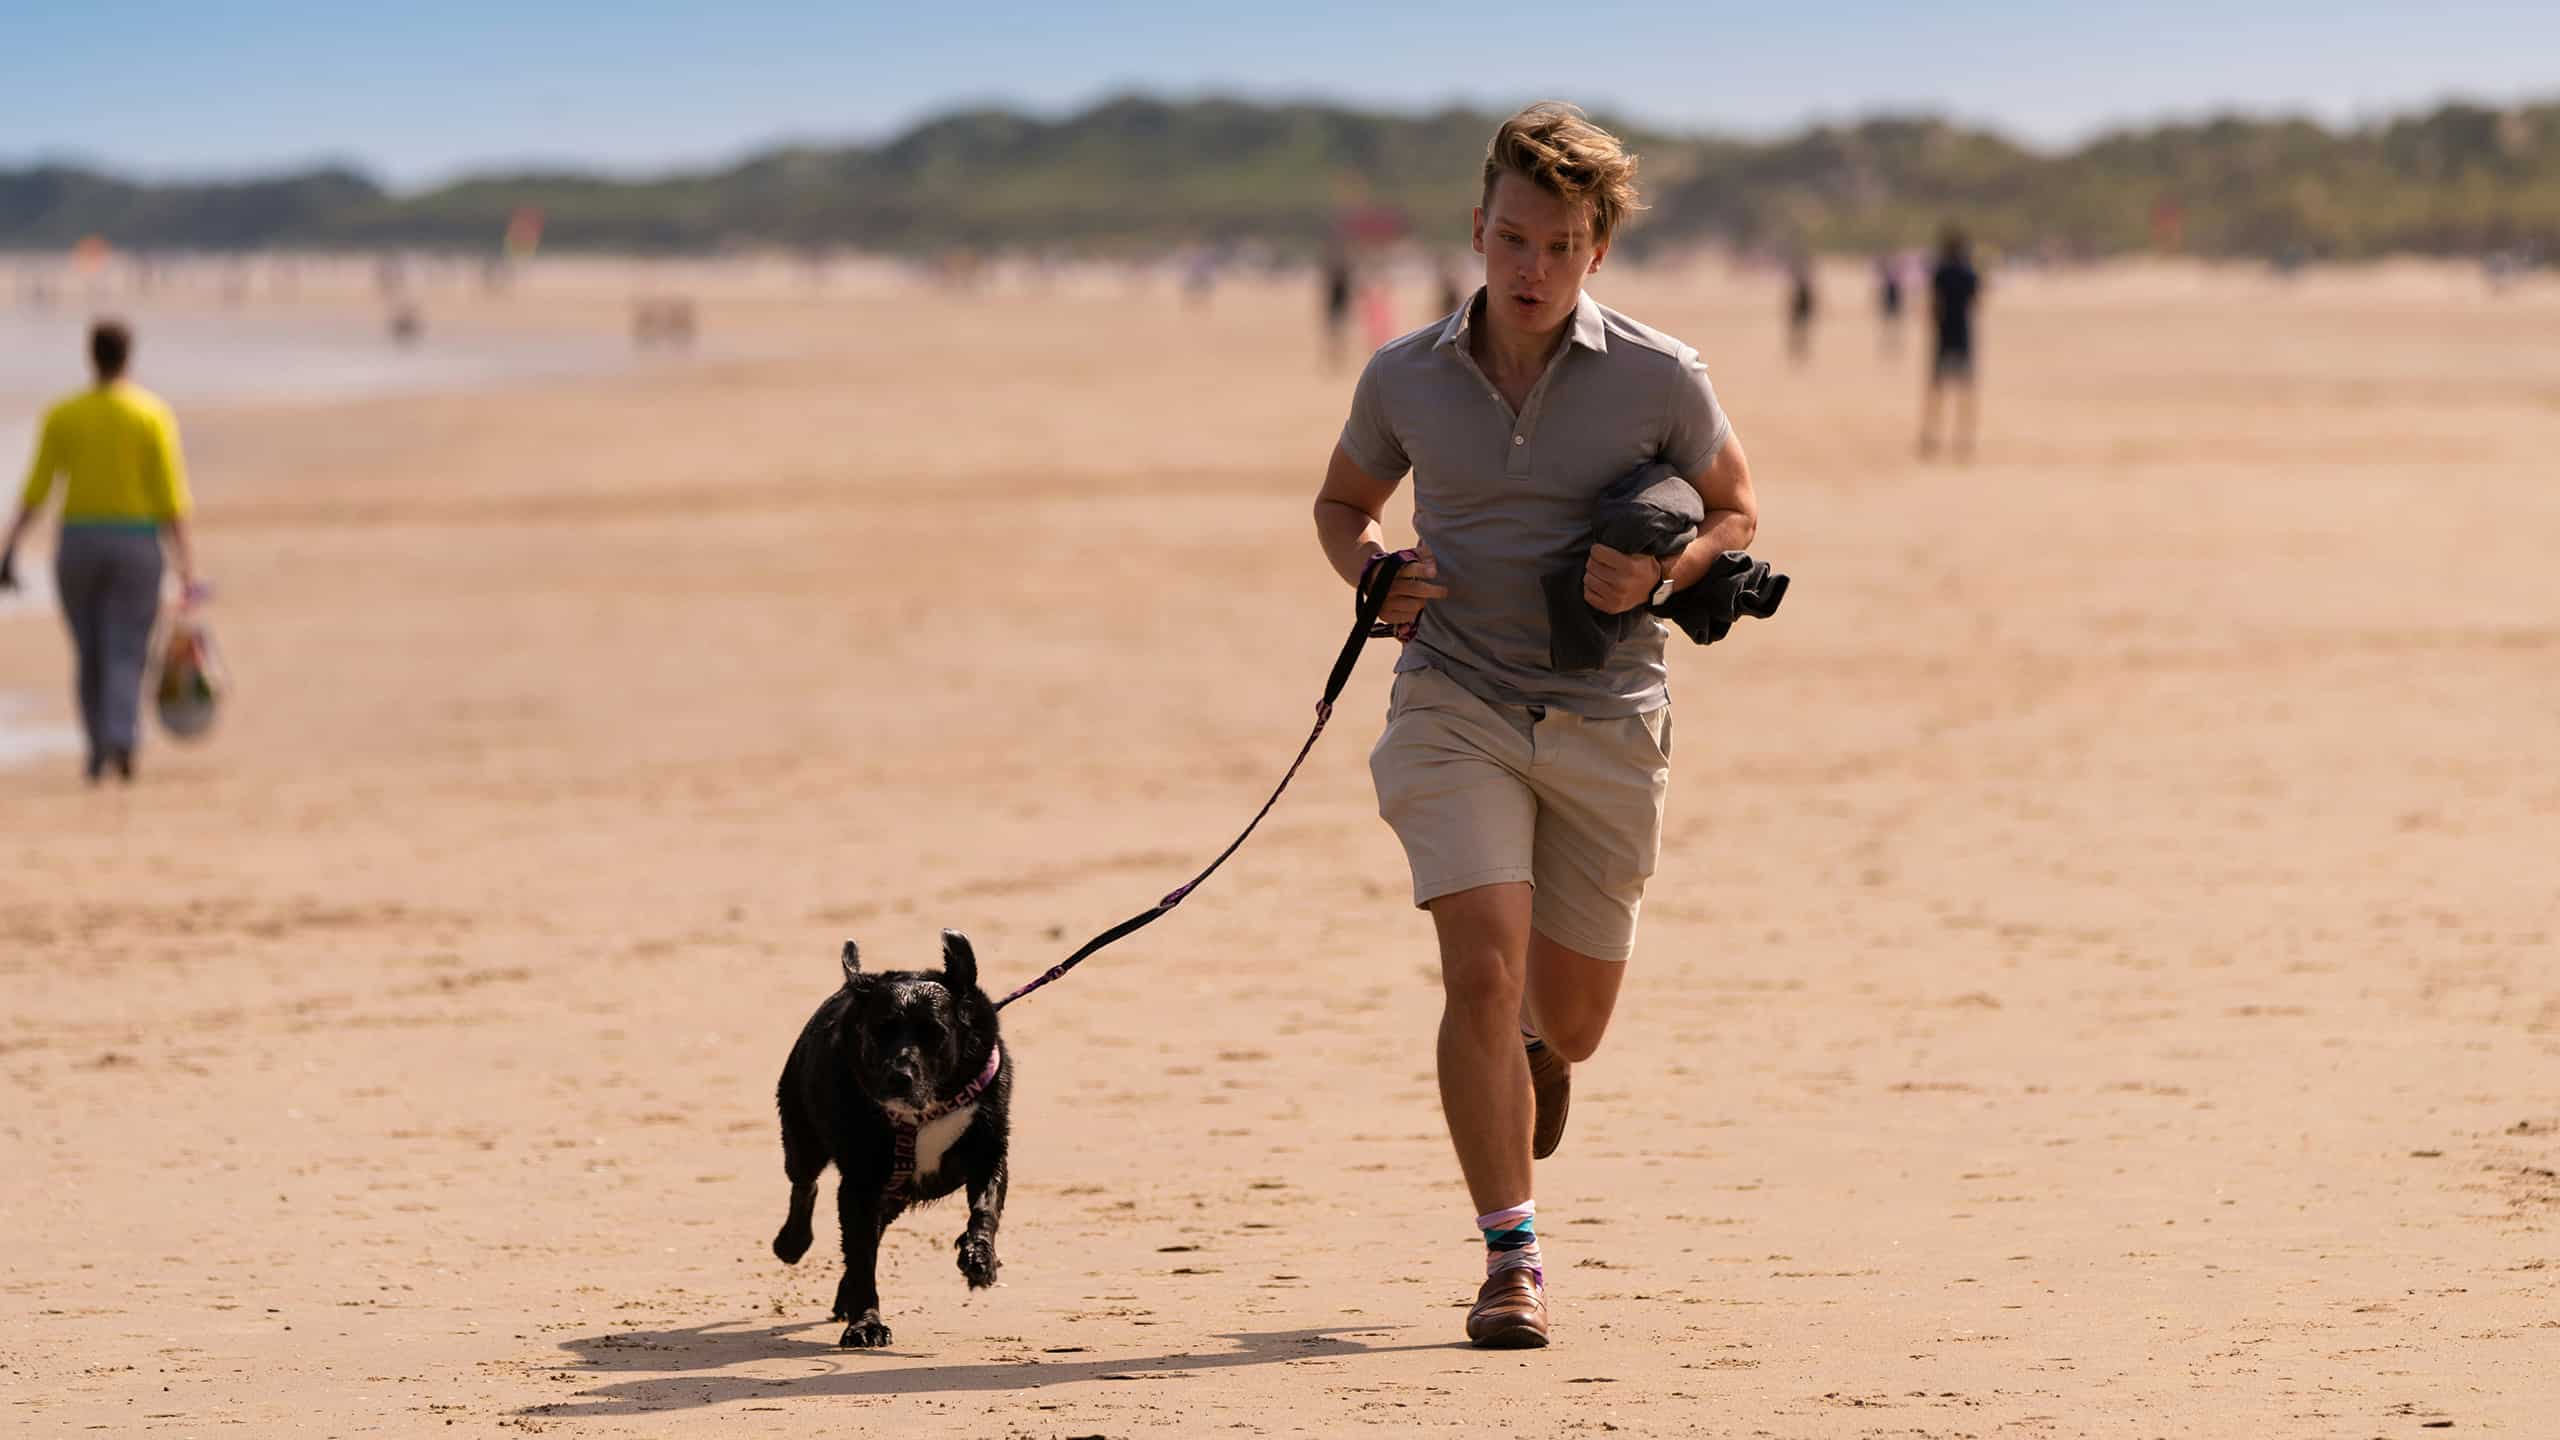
x: 1570, y: 997
x: 1484, y: 1077
x: 1564, y: 1010
x: 1495, y: 972
x: 1484, y: 1091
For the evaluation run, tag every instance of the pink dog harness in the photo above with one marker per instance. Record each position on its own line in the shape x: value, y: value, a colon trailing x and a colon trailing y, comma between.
x: 906, y: 1121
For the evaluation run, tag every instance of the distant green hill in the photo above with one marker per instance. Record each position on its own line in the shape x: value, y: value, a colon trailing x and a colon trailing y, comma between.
x: 56, y: 205
x: 1136, y: 175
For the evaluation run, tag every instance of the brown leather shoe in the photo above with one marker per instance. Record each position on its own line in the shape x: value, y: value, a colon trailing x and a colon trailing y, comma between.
x: 1551, y: 1080
x: 1510, y: 1313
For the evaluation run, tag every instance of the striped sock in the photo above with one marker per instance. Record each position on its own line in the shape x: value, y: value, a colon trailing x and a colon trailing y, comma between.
x: 1529, y: 1040
x: 1511, y: 1241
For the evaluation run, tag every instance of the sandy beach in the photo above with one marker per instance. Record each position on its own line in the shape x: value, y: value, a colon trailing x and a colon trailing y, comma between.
x: 2099, y: 980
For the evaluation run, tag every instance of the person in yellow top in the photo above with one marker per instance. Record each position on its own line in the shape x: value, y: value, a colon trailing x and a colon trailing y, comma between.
x: 114, y: 448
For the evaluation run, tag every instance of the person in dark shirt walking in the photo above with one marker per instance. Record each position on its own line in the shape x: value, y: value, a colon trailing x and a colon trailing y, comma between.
x: 1954, y: 289
x: 1336, y: 284
x: 1889, y: 303
x: 1800, y: 307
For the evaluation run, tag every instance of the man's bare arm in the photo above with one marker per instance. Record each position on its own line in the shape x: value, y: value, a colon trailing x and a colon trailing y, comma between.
x: 1350, y: 511
x: 1614, y: 582
x: 1350, y: 525
x: 1733, y: 513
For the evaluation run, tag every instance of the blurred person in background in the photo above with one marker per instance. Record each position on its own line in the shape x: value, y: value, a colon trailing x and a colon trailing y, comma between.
x: 1800, y: 308
x: 1452, y: 291
x: 1336, y: 282
x: 1199, y: 276
x: 1954, y: 289
x: 1889, y: 302
x: 114, y: 448
x: 1377, y: 309
x: 1528, y: 799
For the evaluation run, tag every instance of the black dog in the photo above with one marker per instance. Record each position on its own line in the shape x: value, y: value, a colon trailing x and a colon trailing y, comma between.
x: 901, y: 1080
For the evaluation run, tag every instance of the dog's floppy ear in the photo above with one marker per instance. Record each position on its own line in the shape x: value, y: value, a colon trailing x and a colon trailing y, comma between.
x: 959, y: 962
x: 852, y: 961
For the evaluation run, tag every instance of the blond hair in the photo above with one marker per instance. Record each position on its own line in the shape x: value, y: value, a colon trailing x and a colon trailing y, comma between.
x: 1555, y: 147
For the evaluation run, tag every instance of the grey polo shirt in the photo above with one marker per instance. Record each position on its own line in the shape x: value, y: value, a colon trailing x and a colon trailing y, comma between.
x: 1502, y: 498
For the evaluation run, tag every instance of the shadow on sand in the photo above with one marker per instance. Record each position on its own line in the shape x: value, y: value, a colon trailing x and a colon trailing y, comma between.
x: 681, y: 1362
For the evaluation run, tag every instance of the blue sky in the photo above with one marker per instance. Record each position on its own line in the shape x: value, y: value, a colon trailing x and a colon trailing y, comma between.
x: 169, y: 89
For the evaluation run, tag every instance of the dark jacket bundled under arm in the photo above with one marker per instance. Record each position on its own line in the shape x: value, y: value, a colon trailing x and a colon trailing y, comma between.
x: 1655, y: 512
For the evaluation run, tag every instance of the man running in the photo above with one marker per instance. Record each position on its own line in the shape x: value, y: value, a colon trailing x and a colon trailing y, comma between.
x: 1954, y: 287
x: 124, y: 490
x: 1529, y: 800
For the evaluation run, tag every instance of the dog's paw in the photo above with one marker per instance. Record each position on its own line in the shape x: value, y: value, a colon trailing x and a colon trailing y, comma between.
x: 978, y: 1260
x: 866, y: 1333
x: 790, y: 1243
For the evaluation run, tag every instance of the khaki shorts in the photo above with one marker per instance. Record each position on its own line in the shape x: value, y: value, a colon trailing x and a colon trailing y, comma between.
x: 1482, y: 794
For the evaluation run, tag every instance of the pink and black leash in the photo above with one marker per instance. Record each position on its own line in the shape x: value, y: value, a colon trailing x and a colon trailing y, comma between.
x: 1371, y: 597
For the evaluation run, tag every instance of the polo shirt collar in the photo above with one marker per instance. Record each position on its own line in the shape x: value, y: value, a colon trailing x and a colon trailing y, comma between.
x: 1586, y: 329
x: 1455, y: 331
x: 1589, y: 330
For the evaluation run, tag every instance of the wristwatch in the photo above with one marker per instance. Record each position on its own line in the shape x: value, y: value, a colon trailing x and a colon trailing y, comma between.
x: 1662, y: 591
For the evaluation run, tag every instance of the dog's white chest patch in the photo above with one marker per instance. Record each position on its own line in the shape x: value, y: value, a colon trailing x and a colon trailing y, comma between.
x: 935, y: 1137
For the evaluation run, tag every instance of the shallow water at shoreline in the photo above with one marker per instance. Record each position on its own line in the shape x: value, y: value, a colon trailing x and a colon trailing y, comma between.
x: 195, y: 358
x: 206, y: 357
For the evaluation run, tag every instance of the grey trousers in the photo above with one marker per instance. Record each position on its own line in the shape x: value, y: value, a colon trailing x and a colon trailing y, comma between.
x: 109, y: 578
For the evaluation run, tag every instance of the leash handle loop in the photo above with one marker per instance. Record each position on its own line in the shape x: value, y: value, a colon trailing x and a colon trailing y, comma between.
x: 1376, y: 578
